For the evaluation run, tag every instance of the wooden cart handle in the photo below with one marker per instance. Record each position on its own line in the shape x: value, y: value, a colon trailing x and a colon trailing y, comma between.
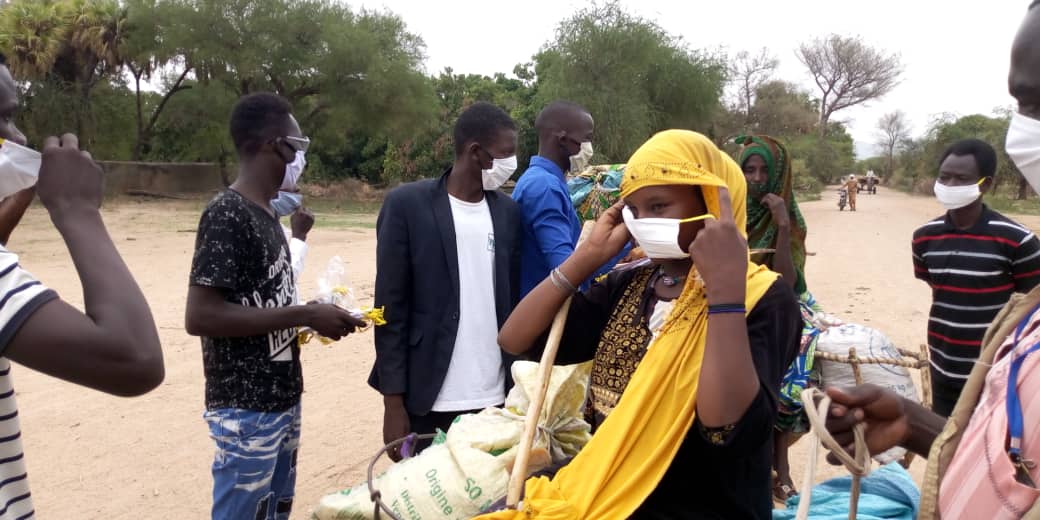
x: 534, y: 411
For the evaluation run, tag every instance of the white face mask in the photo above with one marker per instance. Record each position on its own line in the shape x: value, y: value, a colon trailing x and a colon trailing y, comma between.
x: 286, y: 203
x: 1023, y: 146
x: 956, y: 197
x: 293, y: 172
x: 580, y: 160
x: 500, y: 172
x: 658, y: 237
x: 19, y: 167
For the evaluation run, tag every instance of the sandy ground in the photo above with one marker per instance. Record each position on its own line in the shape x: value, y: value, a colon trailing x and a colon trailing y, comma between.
x: 95, y: 456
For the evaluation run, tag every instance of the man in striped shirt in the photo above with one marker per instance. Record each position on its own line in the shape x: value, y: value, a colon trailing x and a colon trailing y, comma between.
x: 974, y: 259
x: 982, y: 461
x: 113, y: 347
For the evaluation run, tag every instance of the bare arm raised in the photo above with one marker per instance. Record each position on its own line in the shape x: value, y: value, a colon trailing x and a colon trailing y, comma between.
x: 113, y: 346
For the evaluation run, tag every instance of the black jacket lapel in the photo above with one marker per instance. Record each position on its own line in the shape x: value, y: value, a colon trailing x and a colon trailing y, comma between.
x: 446, y: 227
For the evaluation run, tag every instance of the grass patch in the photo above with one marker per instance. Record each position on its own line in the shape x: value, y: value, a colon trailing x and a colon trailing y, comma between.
x: 341, y: 221
x: 807, y: 196
x: 1030, y: 206
x: 331, y: 213
x: 183, y: 216
x: 341, y: 207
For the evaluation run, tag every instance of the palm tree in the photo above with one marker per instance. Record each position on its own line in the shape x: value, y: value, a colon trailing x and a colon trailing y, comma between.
x: 73, y: 43
x: 32, y: 35
x: 98, y: 32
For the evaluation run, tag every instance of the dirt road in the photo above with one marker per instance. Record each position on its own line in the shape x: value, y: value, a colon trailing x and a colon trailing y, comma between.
x: 95, y: 456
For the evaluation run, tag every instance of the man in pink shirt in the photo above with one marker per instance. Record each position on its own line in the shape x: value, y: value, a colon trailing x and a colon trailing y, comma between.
x: 982, y: 463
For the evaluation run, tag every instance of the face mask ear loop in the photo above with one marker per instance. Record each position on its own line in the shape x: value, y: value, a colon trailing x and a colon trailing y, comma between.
x: 706, y: 216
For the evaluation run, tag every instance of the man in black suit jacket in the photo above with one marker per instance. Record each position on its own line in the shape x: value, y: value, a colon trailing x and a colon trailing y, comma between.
x: 447, y: 272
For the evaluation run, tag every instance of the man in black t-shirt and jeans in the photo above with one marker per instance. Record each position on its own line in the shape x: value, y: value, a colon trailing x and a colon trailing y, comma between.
x: 241, y: 303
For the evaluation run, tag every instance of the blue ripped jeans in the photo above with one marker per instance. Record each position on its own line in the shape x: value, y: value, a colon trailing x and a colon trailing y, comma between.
x: 254, y: 470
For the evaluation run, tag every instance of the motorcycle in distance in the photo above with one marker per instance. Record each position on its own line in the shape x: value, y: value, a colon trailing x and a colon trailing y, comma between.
x: 843, y: 198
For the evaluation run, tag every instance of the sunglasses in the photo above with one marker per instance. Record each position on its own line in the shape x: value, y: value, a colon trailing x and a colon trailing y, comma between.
x: 300, y: 144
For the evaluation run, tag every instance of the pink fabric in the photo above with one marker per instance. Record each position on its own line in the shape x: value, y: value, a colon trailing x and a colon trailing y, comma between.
x: 980, y: 482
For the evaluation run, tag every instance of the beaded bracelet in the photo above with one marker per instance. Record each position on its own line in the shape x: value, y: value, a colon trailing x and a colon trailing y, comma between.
x: 727, y: 308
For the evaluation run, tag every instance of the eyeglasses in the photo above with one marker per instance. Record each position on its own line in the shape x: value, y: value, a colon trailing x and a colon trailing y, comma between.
x: 300, y: 144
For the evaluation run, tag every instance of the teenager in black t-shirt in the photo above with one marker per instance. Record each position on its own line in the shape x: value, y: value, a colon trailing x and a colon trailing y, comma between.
x: 241, y: 303
x: 241, y: 249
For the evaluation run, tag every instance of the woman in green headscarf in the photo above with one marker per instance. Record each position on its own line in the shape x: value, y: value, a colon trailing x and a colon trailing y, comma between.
x: 774, y: 222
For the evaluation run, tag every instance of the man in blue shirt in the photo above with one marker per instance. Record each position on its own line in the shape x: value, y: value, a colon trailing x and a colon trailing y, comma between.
x: 551, y: 225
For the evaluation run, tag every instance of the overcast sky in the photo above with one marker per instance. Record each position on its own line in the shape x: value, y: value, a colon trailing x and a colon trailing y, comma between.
x: 955, y: 52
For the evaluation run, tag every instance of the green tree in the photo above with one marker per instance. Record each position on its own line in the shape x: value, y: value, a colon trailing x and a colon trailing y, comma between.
x: 427, y: 153
x: 72, y: 45
x: 826, y: 159
x: 848, y: 72
x: 783, y: 109
x: 893, y: 129
x: 750, y: 72
x: 343, y: 71
x: 789, y: 113
x: 991, y: 129
x: 194, y: 127
x: 912, y: 163
x: 875, y: 164
x: 633, y: 77
x: 159, y: 43
x: 354, y: 77
x: 47, y: 109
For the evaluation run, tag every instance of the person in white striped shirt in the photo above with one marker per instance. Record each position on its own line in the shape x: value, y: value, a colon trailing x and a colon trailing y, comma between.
x: 112, y: 347
x: 974, y: 259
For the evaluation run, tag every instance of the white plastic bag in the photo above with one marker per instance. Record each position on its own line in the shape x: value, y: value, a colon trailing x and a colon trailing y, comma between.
x: 334, y: 287
x: 868, y: 343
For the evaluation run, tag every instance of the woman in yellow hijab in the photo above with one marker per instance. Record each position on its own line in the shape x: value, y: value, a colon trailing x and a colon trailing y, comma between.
x: 688, y: 352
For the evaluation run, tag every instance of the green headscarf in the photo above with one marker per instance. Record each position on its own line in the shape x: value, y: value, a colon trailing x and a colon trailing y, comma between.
x: 760, y: 227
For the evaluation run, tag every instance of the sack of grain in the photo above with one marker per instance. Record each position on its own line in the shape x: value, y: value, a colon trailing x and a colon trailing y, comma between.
x: 469, y: 470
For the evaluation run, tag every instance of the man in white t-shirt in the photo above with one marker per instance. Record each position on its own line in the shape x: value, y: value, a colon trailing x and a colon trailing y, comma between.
x: 475, y: 378
x: 447, y: 273
x: 113, y: 347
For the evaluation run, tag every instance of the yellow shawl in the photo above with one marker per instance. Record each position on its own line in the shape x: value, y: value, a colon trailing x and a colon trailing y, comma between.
x: 631, y: 451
